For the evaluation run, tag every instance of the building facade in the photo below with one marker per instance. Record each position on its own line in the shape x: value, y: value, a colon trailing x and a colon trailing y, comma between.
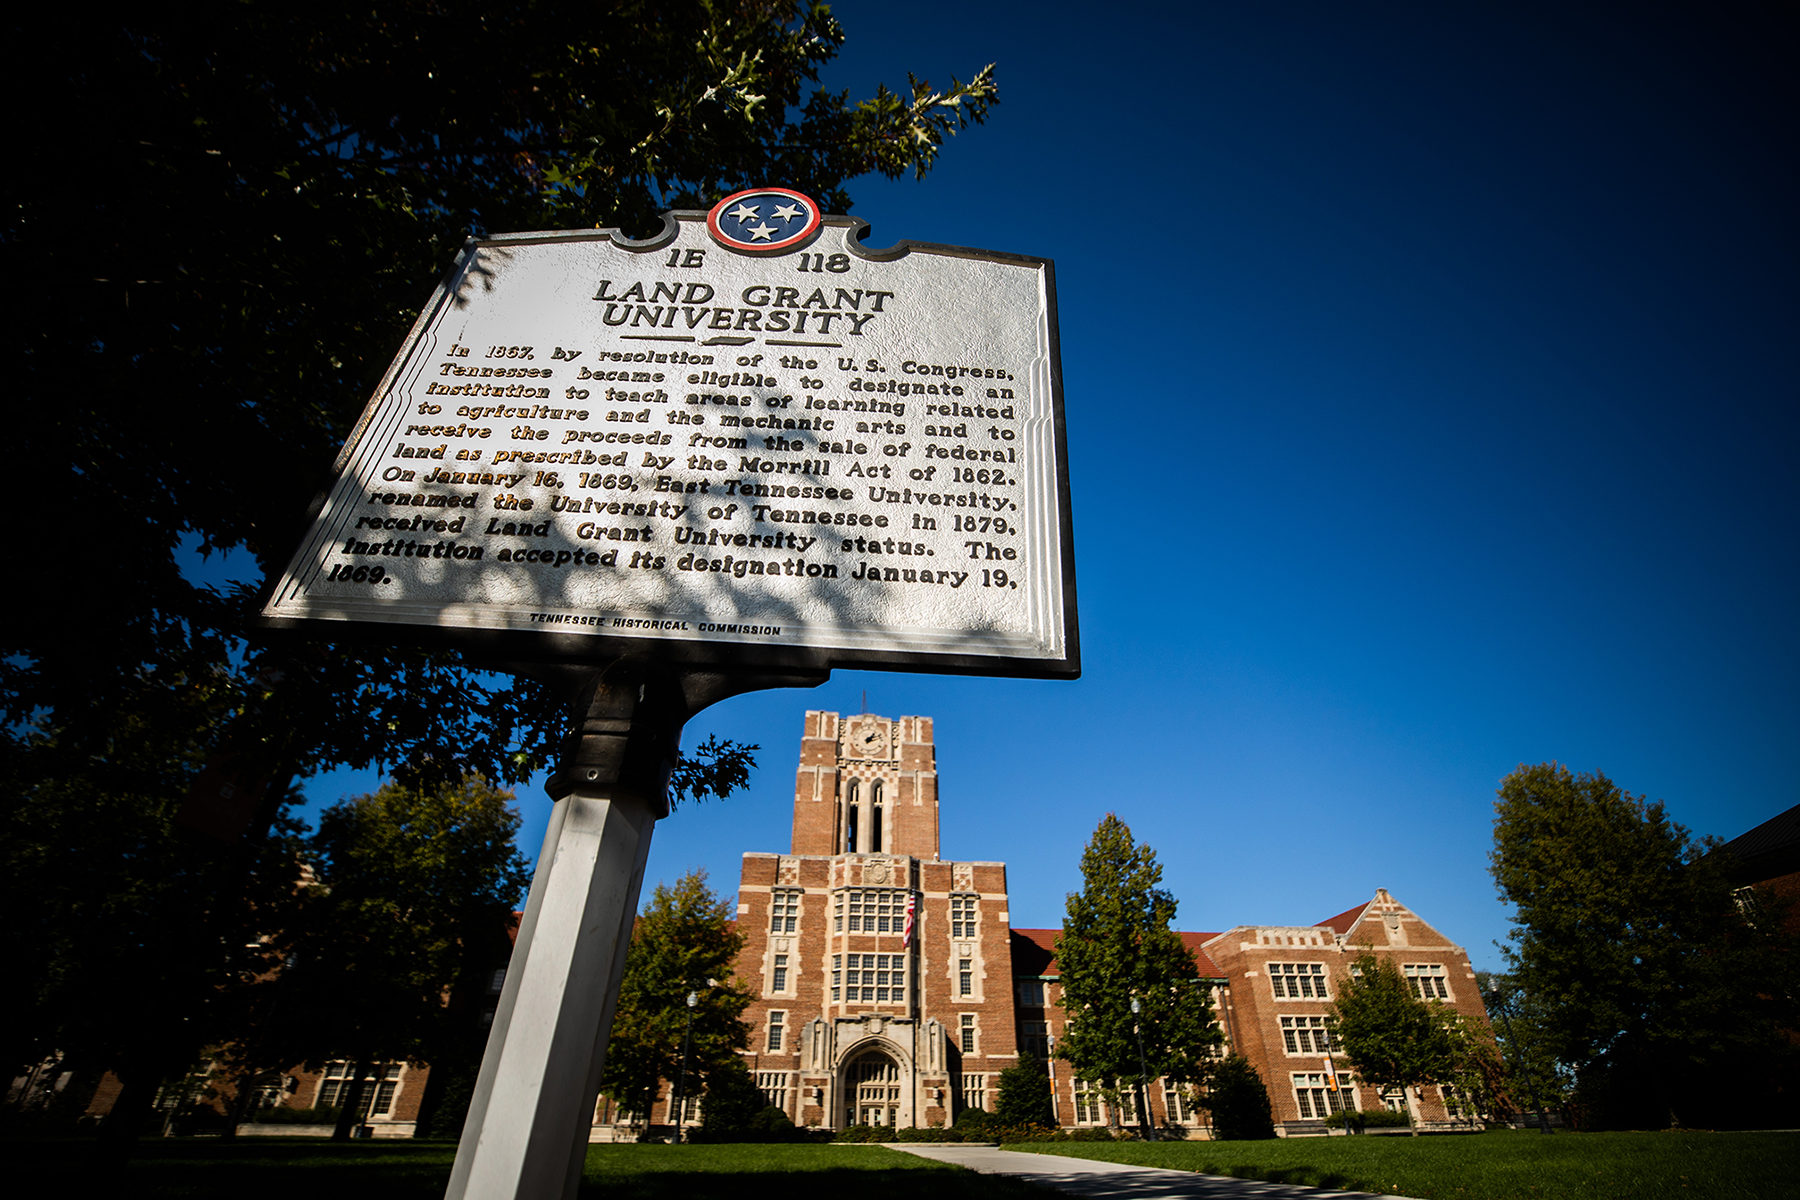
x: 891, y: 988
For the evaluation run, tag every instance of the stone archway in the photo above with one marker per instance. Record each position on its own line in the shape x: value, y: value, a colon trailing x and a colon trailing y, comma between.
x: 873, y: 1092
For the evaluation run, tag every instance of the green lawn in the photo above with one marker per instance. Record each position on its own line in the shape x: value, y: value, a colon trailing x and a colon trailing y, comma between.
x: 1510, y: 1165
x: 284, y: 1169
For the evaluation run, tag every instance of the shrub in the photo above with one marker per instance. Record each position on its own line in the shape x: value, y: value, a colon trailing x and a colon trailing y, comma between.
x: 1025, y: 1094
x: 934, y: 1134
x: 974, y: 1120
x: 1368, y: 1118
x: 1094, y: 1133
x: 295, y: 1116
x: 1238, y: 1101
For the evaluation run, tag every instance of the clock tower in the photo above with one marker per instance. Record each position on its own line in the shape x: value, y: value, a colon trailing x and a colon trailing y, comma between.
x: 866, y: 785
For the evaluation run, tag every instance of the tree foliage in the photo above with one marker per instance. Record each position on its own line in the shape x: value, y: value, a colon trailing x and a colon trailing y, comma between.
x: 1392, y: 1038
x: 411, y: 888
x: 1237, y: 1101
x: 1024, y: 1098
x: 682, y: 942
x: 1117, y: 943
x: 1656, y: 990
x: 134, y: 939
x: 267, y: 194
x: 277, y: 188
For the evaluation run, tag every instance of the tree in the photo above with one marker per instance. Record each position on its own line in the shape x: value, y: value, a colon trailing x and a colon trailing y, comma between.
x: 682, y: 942
x: 1666, y: 1001
x: 1237, y: 1101
x: 735, y: 1111
x: 409, y: 881
x: 1393, y: 1038
x: 1117, y: 944
x: 1025, y: 1097
x: 134, y: 939
x: 282, y: 187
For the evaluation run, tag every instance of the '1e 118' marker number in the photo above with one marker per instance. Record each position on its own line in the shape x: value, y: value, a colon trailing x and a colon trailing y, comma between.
x: 837, y: 264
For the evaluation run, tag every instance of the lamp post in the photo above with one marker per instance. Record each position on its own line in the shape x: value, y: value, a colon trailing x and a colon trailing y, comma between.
x: 1500, y: 1005
x: 1137, y: 1027
x: 687, y: 1042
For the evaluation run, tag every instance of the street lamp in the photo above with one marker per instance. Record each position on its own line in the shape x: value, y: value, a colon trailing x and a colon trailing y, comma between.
x: 1500, y: 1005
x: 687, y: 1042
x: 1143, y: 1074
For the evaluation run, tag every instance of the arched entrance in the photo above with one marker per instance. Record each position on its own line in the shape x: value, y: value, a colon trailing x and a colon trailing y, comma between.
x: 872, y: 1090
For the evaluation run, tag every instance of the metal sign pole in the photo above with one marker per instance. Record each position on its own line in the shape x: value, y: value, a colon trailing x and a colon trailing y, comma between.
x: 526, y: 1134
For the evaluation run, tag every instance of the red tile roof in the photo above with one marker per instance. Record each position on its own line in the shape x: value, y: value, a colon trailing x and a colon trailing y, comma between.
x: 1034, y: 952
x: 1344, y: 921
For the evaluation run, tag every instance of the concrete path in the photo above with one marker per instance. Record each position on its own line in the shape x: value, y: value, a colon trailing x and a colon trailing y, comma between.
x: 1117, y: 1181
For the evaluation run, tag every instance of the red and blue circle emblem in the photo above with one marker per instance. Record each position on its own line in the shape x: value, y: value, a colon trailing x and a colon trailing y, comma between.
x: 763, y: 220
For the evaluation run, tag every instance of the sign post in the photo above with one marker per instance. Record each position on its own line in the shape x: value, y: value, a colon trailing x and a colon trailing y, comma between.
x: 731, y: 456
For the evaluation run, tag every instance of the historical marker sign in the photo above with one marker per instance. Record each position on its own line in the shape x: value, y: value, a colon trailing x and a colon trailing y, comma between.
x: 749, y: 439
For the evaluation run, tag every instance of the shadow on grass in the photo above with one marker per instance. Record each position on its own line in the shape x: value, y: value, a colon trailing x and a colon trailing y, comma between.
x: 306, y: 1169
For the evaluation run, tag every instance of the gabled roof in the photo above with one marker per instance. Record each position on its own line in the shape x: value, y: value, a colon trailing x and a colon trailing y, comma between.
x: 1345, y: 921
x: 1034, y: 952
x: 1769, y: 850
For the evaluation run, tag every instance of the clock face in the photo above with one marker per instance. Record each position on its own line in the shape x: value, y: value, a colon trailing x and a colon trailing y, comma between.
x: 868, y: 739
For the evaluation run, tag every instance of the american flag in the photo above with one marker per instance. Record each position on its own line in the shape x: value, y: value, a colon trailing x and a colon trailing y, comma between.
x: 911, y: 911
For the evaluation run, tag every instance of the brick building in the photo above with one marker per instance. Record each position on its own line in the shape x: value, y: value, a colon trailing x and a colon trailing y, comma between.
x: 856, y: 1022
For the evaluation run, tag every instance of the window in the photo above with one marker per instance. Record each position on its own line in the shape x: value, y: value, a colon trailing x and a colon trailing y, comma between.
x: 1031, y: 993
x: 784, y: 909
x: 965, y: 978
x: 690, y: 1108
x: 496, y: 981
x: 974, y: 1089
x: 779, y: 983
x: 379, y: 1087
x: 968, y: 1033
x: 882, y: 911
x: 875, y: 815
x: 773, y: 1086
x: 1298, y: 981
x: 1175, y: 1104
x: 1034, y: 1037
x: 963, y: 910
x: 874, y: 978
x: 837, y: 974
x: 1457, y: 1103
x: 1089, y: 1108
x: 1305, y: 1035
x: 1315, y: 1097
x: 1427, y: 980
x: 777, y: 1022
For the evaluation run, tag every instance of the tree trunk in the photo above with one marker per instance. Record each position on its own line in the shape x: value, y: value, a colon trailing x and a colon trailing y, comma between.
x: 350, y: 1114
x: 120, y: 1127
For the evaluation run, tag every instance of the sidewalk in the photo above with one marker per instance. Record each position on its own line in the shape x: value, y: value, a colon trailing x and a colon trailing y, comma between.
x: 1118, y: 1181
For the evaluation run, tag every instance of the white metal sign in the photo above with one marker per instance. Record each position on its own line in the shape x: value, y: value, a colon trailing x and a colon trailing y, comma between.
x: 750, y: 438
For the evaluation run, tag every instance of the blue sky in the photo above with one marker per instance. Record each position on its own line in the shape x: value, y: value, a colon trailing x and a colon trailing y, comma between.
x: 1430, y: 379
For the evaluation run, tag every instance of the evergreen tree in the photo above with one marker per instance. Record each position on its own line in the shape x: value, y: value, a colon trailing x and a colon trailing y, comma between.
x: 1666, y: 997
x: 1117, y: 944
x: 1237, y: 1101
x: 683, y: 942
x: 1025, y: 1097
